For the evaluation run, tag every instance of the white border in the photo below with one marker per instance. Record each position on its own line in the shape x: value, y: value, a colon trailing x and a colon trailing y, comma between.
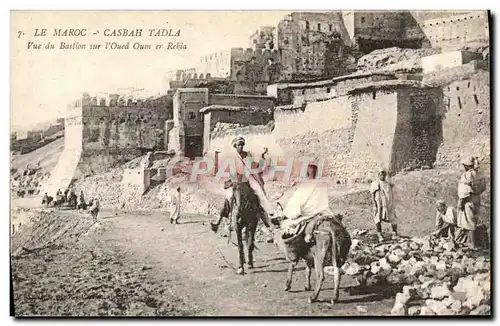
x: 189, y: 5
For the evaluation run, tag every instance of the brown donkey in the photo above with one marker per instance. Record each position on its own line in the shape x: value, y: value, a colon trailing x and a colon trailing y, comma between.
x: 329, y: 247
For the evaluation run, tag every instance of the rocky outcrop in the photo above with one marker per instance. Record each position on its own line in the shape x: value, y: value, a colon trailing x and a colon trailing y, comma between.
x: 386, y: 57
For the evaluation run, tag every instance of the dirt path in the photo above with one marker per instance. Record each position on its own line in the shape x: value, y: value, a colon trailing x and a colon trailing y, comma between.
x: 191, y: 258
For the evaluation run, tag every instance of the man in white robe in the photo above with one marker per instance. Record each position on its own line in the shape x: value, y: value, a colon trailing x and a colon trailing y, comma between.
x: 383, y: 201
x: 174, y: 203
x: 309, y: 200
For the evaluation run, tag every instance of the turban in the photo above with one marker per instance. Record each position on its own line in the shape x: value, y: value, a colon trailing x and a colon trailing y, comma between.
x: 228, y: 184
x: 237, y: 141
x: 468, y: 160
x: 440, y: 203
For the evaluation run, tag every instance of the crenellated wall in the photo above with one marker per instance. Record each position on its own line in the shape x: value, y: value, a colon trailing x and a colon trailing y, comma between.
x: 216, y: 64
x: 315, y: 45
x: 103, y: 132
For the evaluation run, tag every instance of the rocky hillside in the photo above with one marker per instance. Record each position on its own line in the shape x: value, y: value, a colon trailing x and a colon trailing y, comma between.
x: 384, y: 59
x: 31, y: 179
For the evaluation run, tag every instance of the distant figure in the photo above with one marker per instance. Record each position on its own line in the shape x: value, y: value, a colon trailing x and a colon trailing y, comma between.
x: 174, y: 200
x: 446, y: 220
x: 469, y: 189
x: 72, y: 200
x: 81, y: 202
x: 45, y: 200
x: 94, y: 208
x: 59, y: 198
x: 383, y: 201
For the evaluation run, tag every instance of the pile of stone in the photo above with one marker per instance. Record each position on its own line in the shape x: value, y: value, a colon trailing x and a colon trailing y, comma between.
x: 435, y: 277
x: 103, y: 186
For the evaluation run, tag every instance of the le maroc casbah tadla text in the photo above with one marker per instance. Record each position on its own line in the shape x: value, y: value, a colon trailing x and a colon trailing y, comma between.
x: 112, y: 45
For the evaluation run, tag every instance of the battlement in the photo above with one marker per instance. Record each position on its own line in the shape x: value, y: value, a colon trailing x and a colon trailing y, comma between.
x: 112, y: 100
x: 215, y: 56
x: 190, y: 90
x: 240, y: 54
x: 313, y: 16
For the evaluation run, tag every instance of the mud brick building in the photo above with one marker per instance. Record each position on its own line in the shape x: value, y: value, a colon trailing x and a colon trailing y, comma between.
x: 186, y: 132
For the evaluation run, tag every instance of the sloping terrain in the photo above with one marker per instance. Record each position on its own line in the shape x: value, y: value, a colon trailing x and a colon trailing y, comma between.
x: 47, y: 156
x: 60, y: 268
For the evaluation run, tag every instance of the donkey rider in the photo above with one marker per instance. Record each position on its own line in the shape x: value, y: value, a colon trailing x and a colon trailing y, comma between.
x: 310, y: 200
x: 254, y: 179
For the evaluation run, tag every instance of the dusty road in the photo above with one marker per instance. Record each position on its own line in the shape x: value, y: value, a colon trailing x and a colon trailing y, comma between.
x: 126, y: 265
x: 193, y: 259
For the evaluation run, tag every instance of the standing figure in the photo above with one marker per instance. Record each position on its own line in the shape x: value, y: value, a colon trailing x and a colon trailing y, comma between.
x: 174, y: 200
x: 94, y: 208
x: 81, y: 202
x: 383, y: 202
x: 45, y: 200
x: 469, y: 190
x: 72, y: 201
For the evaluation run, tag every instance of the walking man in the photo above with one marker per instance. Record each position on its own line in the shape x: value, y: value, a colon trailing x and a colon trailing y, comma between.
x: 94, y: 208
x: 174, y: 200
x: 81, y: 204
x: 383, y: 202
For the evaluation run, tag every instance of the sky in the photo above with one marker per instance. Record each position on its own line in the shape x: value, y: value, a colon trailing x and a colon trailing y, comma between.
x: 44, y: 82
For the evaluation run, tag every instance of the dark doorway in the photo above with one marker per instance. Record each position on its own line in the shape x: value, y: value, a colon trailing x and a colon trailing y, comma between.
x: 194, y: 146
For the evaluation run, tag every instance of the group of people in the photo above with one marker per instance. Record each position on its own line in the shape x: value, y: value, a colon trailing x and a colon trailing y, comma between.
x: 311, y: 199
x: 460, y: 223
x: 73, y: 201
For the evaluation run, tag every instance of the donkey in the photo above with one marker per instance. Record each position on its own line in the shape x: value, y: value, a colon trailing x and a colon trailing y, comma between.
x: 330, y: 246
x: 245, y: 214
